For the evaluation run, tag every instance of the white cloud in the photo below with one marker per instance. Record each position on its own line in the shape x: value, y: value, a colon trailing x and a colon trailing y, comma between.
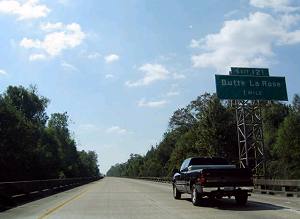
x: 195, y: 43
x: 153, y: 72
x: 36, y: 57
x: 3, y: 72
x: 68, y: 66
x: 116, y: 130
x: 30, y: 9
x: 94, y: 55
x: 289, y: 20
x: 173, y: 93
x: 178, y: 76
x: 111, y: 58
x: 231, y: 13
x: 109, y: 76
x: 246, y: 42
x: 151, y: 104
x: 69, y: 36
x: 277, y: 5
x: 49, y: 27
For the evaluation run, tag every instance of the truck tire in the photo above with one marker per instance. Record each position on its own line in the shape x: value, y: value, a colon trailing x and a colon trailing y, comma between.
x: 196, y: 196
x: 176, y: 193
x: 241, y: 198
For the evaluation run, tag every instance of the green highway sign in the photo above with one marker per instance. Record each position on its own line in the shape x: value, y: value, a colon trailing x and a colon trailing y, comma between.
x: 251, y: 87
x: 249, y: 71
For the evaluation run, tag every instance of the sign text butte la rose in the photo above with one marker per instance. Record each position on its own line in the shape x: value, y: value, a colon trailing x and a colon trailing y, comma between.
x: 251, y: 87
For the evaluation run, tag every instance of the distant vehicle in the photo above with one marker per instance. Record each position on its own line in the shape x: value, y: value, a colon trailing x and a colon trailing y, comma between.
x: 213, y: 178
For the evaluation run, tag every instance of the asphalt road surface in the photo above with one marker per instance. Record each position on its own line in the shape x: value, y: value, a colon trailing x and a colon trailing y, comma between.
x: 127, y: 198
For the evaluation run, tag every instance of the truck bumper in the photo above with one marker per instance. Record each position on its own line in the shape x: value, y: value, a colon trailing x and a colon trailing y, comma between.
x: 222, y: 191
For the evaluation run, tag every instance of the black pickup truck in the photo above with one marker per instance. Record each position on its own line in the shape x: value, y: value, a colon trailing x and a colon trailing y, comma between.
x: 213, y: 178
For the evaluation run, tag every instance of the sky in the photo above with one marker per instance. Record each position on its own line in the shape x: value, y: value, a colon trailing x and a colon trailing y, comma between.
x: 121, y: 68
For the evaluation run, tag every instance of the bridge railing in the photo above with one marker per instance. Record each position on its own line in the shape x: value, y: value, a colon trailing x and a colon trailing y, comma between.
x: 277, y: 186
x: 263, y: 186
x: 12, y: 192
x: 158, y: 179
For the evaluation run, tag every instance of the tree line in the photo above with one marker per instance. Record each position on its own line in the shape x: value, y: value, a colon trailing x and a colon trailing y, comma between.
x: 35, y: 146
x: 207, y: 127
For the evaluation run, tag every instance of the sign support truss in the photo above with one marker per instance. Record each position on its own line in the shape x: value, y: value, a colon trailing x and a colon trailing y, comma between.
x: 250, y: 135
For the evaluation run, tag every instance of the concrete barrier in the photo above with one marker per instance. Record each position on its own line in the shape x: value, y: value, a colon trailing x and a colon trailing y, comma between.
x: 277, y: 187
x: 14, y: 193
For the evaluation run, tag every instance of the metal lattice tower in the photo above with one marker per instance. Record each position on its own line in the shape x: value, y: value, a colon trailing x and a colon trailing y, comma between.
x: 250, y: 135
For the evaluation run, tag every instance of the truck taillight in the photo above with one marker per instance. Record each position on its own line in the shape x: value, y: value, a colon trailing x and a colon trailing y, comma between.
x: 202, y: 179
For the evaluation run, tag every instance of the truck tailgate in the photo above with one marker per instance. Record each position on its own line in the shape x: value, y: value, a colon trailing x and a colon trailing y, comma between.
x: 227, y: 177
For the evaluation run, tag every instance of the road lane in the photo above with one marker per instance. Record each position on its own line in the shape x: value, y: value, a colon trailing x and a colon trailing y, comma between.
x: 113, y: 198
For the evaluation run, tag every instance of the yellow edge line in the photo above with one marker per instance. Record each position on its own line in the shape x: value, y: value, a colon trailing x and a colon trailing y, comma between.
x: 63, y: 204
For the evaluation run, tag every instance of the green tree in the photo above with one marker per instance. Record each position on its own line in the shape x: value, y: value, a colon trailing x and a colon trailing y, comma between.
x: 185, y: 147
x: 31, y: 150
x: 216, y: 130
x: 28, y: 102
x: 287, y: 148
x: 273, y: 115
x: 20, y: 129
x: 68, y: 155
x: 88, y: 163
x: 207, y: 127
x: 296, y: 103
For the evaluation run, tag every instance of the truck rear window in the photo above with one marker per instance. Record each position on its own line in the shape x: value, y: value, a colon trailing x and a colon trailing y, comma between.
x: 208, y: 161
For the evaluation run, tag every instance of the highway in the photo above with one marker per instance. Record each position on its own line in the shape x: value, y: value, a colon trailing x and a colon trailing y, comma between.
x: 112, y: 198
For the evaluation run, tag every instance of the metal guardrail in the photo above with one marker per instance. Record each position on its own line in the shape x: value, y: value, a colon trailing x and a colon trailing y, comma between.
x: 277, y: 186
x: 157, y: 179
x: 13, y: 192
x: 264, y: 186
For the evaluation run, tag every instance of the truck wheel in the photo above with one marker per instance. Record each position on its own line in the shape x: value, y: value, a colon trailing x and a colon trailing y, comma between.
x: 196, y: 196
x: 176, y: 193
x: 241, y: 198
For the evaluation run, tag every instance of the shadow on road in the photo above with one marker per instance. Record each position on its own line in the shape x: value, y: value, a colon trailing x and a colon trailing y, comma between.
x: 229, y: 204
